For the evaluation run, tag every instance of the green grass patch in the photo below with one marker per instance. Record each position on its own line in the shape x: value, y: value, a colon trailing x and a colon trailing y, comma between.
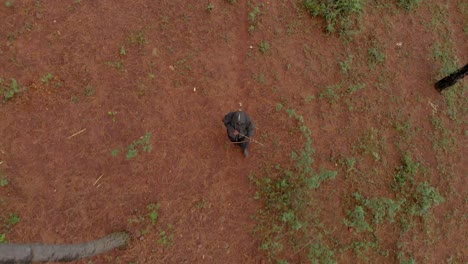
x: 254, y: 16
x: 132, y: 150
x: 410, y: 204
x: 412, y: 200
x: 375, y: 55
x: 342, y: 15
x: 264, y: 46
x: 285, y: 194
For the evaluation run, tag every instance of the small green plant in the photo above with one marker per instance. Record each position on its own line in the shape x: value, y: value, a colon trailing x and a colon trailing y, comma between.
x: 123, y: 50
x: 260, y: 78
x: 89, y: 90
x: 3, y: 180
x: 376, y: 56
x: 232, y: 1
x: 264, y: 46
x: 166, y: 237
x: 75, y: 99
x: 254, y: 13
x: 143, y: 143
x: 346, y: 64
x: 409, y: 4
x: 116, y: 64
x: 7, y: 224
x: 137, y: 38
x: 115, y: 152
x: 253, y: 17
x: 202, y: 204
x: 13, y: 220
x: 331, y: 93
x: 210, y: 7
x: 9, y: 91
x: 47, y: 78
x: 279, y: 107
x: 153, y: 212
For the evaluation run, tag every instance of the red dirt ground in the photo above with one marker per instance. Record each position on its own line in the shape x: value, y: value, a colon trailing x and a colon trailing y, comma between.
x: 191, y: 68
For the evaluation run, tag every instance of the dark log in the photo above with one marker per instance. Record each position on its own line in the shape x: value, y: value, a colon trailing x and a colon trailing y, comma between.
x: 27, y: 253
x: 451, y: 79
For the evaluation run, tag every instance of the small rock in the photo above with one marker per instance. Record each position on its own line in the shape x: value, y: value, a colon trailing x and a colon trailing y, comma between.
x: 38, y: 15
x: 142, y: 238
x: 172, y: 68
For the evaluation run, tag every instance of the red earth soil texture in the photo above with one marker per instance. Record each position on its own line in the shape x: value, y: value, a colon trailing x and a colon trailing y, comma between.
x: 111, y: 120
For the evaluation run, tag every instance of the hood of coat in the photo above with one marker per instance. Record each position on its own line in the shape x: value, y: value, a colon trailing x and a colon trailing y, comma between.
x: 240, y: 118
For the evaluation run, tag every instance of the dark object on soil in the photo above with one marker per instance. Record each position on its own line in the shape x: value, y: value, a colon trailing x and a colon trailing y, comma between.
x: 451, y: 79
x: 28, y: 253
x: 240, y: 129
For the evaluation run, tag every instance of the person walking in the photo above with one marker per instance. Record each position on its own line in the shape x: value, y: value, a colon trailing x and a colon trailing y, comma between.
x: 240, y: 129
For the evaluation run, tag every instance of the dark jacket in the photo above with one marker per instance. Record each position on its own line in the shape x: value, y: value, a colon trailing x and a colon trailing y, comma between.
x: 241, y: 122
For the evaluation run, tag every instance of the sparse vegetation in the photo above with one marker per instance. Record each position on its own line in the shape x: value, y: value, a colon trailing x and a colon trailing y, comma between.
x: 9, y: 90
x: 264, y: 46
x: 346, y: 65
x: 409, y: 4
x: 376, y: 56
x: 137, y: 38
x: 210, y: 7
x: 342, y: 15
x: 254, y: 17
x: 7, y: 222
x: 116, y: 64
x: 142, y: 144
x: 286, y: 195
x: 166, y: 236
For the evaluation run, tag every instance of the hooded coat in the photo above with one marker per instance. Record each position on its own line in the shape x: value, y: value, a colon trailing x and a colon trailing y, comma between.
x: 241, y: 122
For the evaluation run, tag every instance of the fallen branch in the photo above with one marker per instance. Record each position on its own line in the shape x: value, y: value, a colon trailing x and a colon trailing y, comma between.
x: 77, y: 133
x: 28, y: 253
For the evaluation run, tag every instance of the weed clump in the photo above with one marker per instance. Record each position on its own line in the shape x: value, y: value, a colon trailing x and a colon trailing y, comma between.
x: 9, y: 90
x: 338, y: 14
